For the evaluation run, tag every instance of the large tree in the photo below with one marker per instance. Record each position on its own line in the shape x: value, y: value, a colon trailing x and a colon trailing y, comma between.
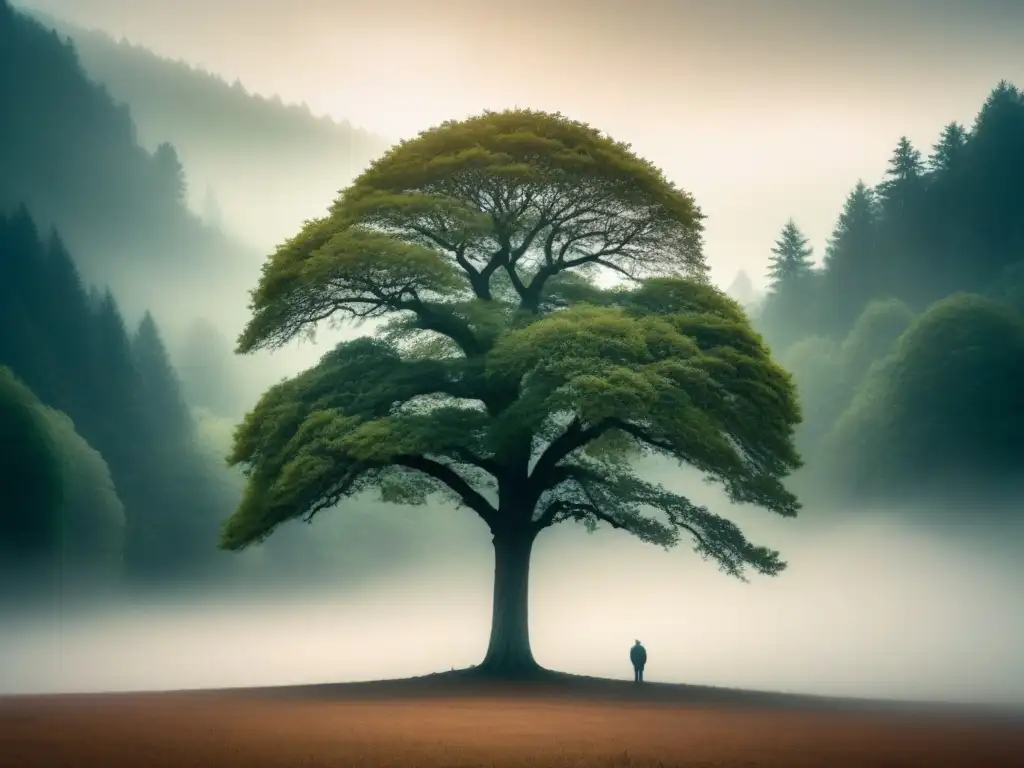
x: 505, y: 377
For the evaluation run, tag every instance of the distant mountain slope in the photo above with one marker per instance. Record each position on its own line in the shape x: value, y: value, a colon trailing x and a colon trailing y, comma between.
x: 270, y: 165
x: 69, y: 152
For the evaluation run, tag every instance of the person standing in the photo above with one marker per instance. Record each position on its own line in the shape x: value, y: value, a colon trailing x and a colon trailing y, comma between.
x: 638, y: 655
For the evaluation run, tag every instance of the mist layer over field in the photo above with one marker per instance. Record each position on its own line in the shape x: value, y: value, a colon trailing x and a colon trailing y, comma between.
x: 870, y: 608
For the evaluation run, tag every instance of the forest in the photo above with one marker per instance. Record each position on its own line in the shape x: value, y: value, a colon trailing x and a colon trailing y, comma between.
x: 906, y: 340
x: 232, y: 141
x: 104, y: 270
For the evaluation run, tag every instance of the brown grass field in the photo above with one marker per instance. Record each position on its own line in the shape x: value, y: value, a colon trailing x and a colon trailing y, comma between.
x: 456, y: 723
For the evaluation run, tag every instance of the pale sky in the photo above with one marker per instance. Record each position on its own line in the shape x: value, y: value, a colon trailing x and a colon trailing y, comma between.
x: 763, y: 109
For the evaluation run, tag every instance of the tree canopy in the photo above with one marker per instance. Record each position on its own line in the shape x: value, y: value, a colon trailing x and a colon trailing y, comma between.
x: 465, y: 236
x: 506, y: 378
x: 426, y: 229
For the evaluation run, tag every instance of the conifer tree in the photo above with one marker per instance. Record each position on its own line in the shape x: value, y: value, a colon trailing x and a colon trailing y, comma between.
x: 791, y: 288
x: 902, y: 255
x: 948, y: 152
x: 791, y: 263
x: 850, y: 267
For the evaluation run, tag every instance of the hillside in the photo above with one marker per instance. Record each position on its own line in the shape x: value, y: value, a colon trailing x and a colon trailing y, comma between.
x: 70, y: 153
x: 262, y: 165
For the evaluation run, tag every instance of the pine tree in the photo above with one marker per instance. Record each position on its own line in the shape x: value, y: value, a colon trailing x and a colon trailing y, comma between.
x: 904, y: 175
x: 791, y: 287
x: 23, y: 285
x: 171, y: 173
x: 160, y: 390
x: 116, y: 432
x: 168, y: 537
x: 65, y: 313
x: 948, y: 153
x: 791, y: 261
x: 904, y: 263
x: 992, y: 192
x: 70, y: 347
x: 945, y: 231
x: 850, y: 268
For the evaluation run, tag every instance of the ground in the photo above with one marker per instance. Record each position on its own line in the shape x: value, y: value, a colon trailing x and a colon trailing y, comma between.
x: 458, y: 723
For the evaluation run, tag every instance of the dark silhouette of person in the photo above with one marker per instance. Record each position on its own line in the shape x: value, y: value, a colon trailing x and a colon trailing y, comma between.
x: 638, y: 655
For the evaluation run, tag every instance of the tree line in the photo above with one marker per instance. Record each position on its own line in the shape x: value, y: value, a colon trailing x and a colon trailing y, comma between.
x: 106, y: 400
x: 94, y: 369
x: 71, y: 153
x: 907, y: 340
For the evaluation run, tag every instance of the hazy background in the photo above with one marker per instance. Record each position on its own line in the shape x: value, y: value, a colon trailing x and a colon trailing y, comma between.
x: 762, y: 111
x: 872, y: 606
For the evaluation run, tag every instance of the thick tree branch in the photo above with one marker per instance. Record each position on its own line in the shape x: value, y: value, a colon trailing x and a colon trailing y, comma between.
x: 449, y: 477
x: 430, y: 319
x: 466, y: 456
x: 574, y: 437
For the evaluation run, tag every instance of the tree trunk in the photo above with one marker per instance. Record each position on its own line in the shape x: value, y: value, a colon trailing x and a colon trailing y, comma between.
x: 508, y: 653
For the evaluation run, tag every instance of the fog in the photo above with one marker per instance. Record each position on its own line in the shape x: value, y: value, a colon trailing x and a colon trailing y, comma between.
x: 891, y: 602
x: 741, y: 102
x: 869, y: 607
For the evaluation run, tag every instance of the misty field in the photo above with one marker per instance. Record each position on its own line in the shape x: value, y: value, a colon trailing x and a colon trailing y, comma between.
x: 463, y: 729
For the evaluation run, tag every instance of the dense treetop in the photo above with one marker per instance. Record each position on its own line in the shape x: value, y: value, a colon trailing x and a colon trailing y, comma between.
x: 507, y: 378
x: 476, y: 210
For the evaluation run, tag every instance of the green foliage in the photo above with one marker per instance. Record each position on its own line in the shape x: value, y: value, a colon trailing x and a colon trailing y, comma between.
x: 872, y: 337
x: 228, y: 137
x: 31, y: 482
x: 791, y: 260
x: 74, y: 353
x: 56, y: 495
x: 851, y: 268
x: 429, y: 224
x: 73, y: 158
x: 1009, y: 288
x: 928, y: 231
x: 792, y: 285
x: 948, y: 152
x: 817, y: 367
x: 828, y: 375
x: 945, y: 406
x: 506, y: 379
x: 92, y: 514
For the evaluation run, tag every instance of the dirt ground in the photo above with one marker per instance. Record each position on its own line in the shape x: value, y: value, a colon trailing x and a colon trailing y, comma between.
x: 542, y: 728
